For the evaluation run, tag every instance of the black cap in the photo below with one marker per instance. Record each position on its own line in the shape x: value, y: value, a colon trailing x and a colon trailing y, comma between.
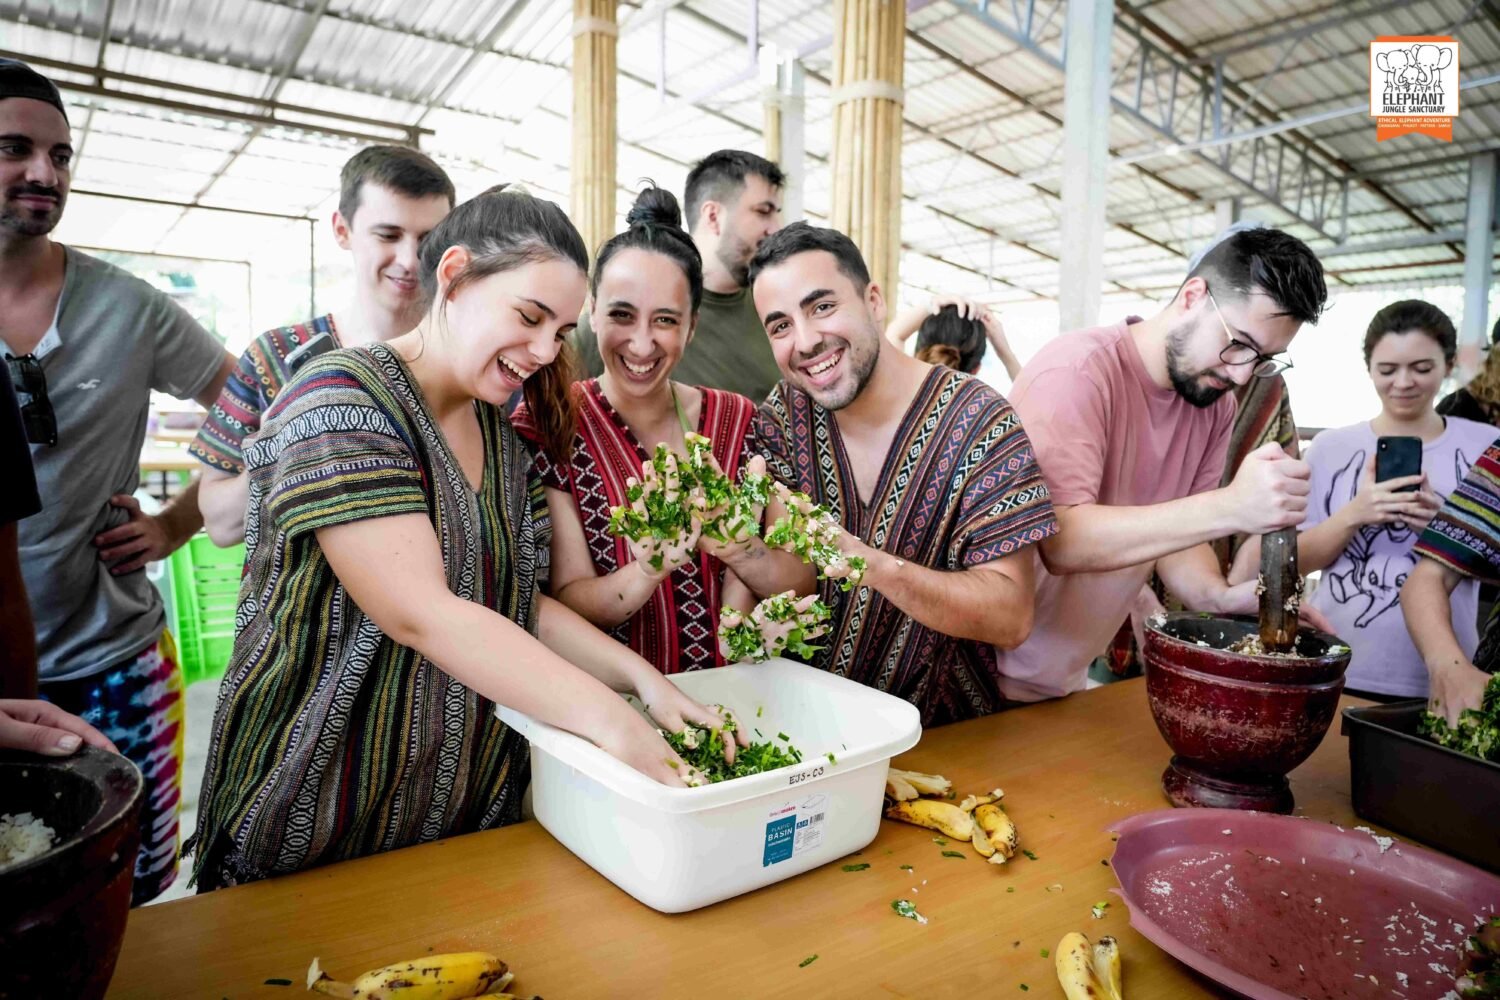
x: 19, y: 80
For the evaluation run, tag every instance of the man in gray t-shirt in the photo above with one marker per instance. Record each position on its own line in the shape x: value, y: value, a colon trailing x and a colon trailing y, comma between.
x: 86, y: 344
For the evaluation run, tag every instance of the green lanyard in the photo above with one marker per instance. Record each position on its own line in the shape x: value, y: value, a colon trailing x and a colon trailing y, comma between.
x: 682, y: 419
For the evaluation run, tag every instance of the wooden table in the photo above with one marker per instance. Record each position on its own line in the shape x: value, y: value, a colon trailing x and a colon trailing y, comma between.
x: 1069, y: 768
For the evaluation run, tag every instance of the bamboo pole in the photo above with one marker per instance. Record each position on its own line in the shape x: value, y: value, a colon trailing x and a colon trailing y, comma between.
x: 869, y: 55
x: 592, y: 183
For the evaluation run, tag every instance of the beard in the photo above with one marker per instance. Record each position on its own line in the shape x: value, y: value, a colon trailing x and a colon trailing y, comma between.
x: 861, y: 368
x: 1186, y: 383
x: 28, y: 221
x: 734, y: 254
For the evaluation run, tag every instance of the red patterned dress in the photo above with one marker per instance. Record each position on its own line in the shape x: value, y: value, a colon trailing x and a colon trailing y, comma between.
x: 676, y: 629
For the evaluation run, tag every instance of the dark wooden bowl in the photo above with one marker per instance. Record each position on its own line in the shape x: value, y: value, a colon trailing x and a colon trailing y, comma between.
x: 62, y: 915
x: 1237, y: 724
x: 1182, y: 633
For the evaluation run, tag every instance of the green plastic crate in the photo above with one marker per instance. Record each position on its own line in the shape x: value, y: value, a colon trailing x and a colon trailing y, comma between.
x: 205, y: 590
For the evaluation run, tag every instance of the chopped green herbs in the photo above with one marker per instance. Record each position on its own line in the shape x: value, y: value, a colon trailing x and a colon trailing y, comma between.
x: 758, y: 710
x: 809, y: 960
x: 1478, y: 731
x: 907, y: 868
x: 1098, y: 909
x: 1028, y: 854
x: 704, y: 750
x: 940, y: 841
x: 1010, y: 888
x: 953, y: 854
x: 745, y: 636
x: 857, y: 868
x: 278, y: 982
x: 1045, y: 953
x: 906, y: 908
x: 831, y: 758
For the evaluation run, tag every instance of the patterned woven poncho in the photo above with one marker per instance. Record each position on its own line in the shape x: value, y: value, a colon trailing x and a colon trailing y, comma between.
x: 959, y: 487
x: 330, y: 741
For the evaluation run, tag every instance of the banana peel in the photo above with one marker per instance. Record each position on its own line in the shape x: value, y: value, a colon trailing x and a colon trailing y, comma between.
x: 999, y: 830
x: 926, y: 784
x: 1089, y: 971
x: 972, y: 802
x: 981, y: 842
x: 945, y: 817
x: 899, y: 788
x: 458, y: 976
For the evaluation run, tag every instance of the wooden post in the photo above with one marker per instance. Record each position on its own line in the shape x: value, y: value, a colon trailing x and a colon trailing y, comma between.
x: 869, y: 53
x: 595, y: 33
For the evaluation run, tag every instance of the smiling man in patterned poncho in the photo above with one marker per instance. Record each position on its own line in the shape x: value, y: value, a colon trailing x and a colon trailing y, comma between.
x: 927, y: 469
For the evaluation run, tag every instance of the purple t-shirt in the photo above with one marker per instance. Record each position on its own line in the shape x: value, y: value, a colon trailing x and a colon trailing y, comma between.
x: 1361, y: 592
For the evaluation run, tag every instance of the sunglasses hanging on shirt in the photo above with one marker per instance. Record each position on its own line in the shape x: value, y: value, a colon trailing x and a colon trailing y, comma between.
x: 36, y: 412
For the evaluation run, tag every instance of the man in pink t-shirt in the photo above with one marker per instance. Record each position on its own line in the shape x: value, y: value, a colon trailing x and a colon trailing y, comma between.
x: 1130, y: 424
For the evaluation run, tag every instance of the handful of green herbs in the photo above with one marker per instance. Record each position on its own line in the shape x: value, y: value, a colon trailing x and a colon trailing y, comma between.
x: 703, y: 749
x: 1478, y: 731
x: 810, y: 531
x: 782, y: 623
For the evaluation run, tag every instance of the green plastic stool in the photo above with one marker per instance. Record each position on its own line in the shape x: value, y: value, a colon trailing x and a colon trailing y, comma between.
x: 205, y: 591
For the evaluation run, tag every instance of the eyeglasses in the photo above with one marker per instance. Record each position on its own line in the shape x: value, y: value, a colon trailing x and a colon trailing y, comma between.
x: 1237, y: 352
x: 36, y: 413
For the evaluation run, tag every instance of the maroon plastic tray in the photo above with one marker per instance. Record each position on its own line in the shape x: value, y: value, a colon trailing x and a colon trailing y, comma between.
x: 1280, y: 907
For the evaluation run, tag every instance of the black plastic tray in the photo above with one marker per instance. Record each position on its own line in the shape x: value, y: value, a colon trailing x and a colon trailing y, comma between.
x: 1409, y: 784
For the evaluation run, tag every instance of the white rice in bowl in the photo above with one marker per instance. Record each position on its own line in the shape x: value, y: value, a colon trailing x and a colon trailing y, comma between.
x: 23, y: 837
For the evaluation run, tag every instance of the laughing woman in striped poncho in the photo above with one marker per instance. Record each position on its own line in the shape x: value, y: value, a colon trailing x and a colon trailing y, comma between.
x: 394, y: 539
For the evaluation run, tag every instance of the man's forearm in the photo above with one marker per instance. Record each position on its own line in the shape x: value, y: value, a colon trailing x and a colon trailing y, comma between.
x: 221, y: 503
x: 1193, y: 577
x: 180, y: 518
x: 981, y: 603
x: 1095, y: 538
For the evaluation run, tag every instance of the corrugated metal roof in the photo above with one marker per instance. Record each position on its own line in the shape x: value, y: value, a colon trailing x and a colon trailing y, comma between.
x: 982, y: 144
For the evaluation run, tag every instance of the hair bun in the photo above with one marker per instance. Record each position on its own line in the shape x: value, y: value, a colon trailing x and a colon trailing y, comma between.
x: 655, y: 206
x: 941, y: 354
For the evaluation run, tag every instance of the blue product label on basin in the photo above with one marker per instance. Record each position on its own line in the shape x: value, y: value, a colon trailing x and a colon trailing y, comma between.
x: 781, y: 834
x: 793, y: 828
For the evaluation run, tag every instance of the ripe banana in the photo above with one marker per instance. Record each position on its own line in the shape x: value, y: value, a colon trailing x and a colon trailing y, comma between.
x: 925, y: 784
x: 1001, y: 832
x: 1089, y: 972
x: 935, y: 815
x: 456, y: 976
x: 972, y: 802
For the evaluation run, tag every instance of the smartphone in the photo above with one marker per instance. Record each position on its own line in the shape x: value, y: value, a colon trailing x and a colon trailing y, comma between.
x: 1396, y: 457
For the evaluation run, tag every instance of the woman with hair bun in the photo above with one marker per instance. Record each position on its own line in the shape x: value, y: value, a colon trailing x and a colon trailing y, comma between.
x: 661, y: 600
x: 394, y: 541
x: 953, y: 332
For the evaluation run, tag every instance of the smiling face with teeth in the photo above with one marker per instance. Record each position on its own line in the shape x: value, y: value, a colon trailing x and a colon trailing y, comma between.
x: 825, y: 331
x: 495, y: 332
x: 642, y: 314
x: 383, y: 236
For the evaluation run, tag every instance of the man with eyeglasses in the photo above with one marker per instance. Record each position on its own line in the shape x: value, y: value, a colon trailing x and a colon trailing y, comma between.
x: 1131, y: 424
x: 86, y: 343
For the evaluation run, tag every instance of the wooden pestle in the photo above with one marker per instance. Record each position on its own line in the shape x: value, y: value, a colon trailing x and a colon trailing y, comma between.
x: 1280, y: 591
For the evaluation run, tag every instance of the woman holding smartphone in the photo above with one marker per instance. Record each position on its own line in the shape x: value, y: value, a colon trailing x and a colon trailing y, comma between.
x: 1360, y: 527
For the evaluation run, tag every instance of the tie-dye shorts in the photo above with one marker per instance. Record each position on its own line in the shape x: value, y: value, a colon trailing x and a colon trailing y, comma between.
x: 138, y: 705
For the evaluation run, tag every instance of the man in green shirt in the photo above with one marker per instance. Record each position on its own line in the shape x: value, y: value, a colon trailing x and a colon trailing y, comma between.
x: 733, y: 202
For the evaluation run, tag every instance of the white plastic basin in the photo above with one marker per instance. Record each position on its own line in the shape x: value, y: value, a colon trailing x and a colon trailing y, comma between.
x: 677, y: 849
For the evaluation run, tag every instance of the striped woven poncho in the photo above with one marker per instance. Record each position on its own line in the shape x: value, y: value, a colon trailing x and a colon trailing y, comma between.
x: 331, y: 741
